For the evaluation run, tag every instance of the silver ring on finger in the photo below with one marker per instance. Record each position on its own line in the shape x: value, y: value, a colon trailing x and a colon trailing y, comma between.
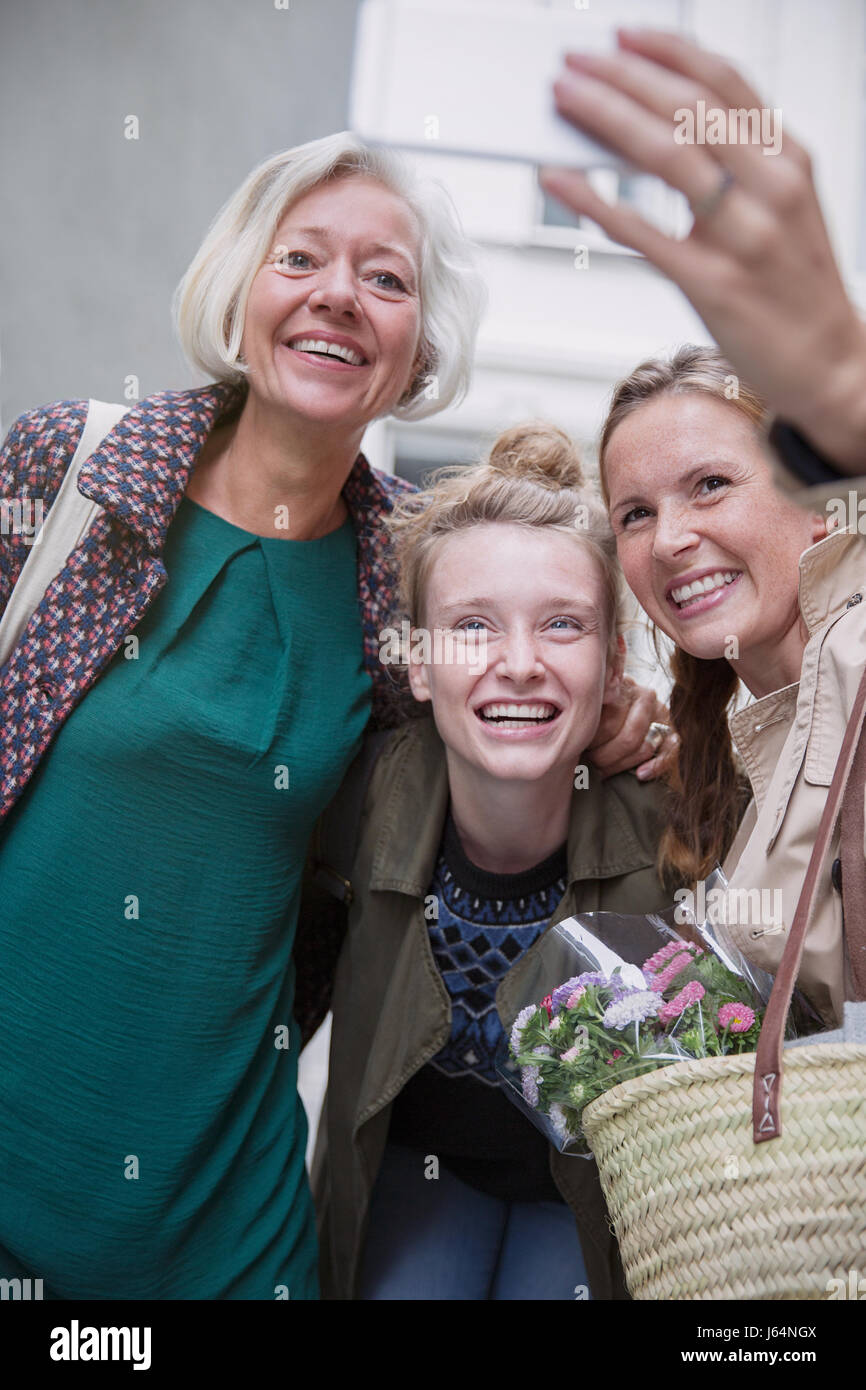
x: 656, y: 734
x: 706, y: 206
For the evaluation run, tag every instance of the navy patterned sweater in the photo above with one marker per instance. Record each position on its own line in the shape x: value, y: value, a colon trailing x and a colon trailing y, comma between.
x: 454, y: 1106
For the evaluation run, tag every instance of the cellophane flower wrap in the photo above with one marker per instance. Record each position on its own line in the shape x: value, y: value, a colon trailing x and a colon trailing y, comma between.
x: 608, y: 1019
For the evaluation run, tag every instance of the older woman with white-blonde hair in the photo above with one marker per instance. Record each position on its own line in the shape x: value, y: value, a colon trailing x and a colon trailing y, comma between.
x: 179, y: 708
x: 176, y: 713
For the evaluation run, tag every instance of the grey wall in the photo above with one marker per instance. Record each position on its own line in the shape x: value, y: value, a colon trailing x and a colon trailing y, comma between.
x: 96, y: 229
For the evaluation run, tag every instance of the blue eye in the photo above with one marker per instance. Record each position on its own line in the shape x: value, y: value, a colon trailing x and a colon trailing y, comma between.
x: 568, y: 623
x: 396, y: 282
x: 289, y: 259
x: 636, y: 514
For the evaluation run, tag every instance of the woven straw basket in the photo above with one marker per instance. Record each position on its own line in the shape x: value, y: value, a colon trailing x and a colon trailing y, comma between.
x: 701, y: 1211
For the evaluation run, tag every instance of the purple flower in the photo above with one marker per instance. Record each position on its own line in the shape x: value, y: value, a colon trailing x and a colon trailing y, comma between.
x: 619, y: 987
x: 561, y: 994
x: 615, y: 983
x: 519, y: 1024
x: 591, y: 978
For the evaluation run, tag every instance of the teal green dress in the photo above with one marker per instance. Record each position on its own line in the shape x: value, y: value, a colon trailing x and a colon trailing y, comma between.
x: 151, y: 1136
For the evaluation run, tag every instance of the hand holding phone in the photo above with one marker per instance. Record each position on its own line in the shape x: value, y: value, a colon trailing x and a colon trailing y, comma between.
x: 758, y: 264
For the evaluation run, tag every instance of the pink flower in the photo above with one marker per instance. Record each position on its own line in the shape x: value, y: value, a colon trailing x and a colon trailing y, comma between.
x: 689, y: 994
x: 656, y: 962
x: 570, y: 1055
x: 574, y: 998
x: 738, y: 1017
x: 675, y: 967
x: 547, y: 1003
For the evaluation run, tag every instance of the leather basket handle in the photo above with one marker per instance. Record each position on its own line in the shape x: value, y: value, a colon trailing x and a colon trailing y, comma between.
x: 845, y: 795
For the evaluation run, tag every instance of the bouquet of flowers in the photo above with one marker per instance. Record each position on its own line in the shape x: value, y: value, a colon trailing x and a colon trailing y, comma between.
x: 601, y: 1027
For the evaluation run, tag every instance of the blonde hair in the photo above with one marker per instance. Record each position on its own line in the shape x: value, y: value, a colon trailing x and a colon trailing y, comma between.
x: 210, y: 302
x: 708, y: 791
x: 532, y: 476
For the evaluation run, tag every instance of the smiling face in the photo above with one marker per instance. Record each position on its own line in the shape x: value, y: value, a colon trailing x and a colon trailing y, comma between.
x: 709, y: 547
x: 333, y: 318
x: 531, y: 707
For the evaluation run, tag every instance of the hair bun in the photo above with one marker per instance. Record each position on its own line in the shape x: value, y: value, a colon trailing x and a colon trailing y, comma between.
x: 537, y: 450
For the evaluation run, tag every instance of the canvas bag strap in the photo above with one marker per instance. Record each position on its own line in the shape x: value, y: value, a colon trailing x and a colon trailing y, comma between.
x: 69, y: 518
x: 766, y: 1093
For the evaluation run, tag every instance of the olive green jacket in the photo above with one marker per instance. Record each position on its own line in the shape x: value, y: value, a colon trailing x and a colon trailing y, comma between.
x: 392, y: 1011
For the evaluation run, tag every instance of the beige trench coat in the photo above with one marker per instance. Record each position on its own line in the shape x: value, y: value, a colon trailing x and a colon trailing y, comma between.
x: 789, y: 742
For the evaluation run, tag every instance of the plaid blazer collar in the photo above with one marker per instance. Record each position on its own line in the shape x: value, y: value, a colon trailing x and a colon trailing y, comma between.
x: 140, y: 471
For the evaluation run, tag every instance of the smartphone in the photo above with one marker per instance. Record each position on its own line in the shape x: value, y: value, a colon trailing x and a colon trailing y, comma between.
x: 473, y: 79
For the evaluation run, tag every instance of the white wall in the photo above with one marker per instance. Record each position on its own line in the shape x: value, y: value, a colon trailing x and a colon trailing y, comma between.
x: 97, y: 229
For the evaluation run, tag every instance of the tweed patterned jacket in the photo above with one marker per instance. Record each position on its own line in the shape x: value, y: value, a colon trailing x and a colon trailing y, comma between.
x: 139, y: 475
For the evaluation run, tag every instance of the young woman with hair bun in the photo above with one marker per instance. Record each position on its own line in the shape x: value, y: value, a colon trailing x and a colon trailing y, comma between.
x: 476, y: 837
